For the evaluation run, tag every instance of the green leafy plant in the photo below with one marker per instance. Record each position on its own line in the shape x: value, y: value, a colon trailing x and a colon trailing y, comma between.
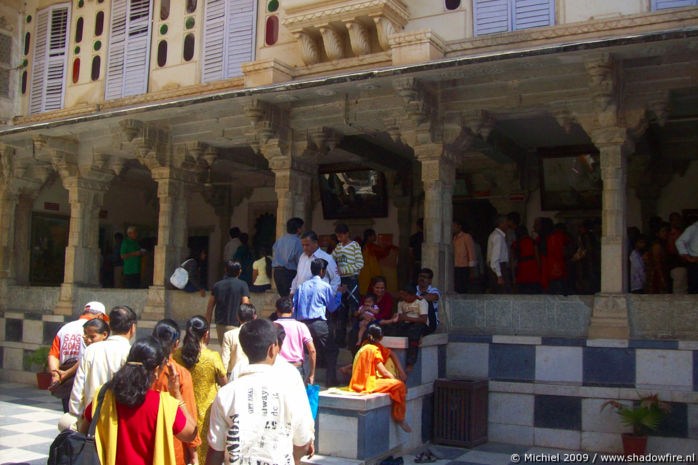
x: 39, y: 358
x: 643, y: 416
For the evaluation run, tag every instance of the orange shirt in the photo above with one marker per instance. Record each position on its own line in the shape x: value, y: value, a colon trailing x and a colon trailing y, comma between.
x: 463, y: 250
x: 363, y: 375
x: 187, y: 389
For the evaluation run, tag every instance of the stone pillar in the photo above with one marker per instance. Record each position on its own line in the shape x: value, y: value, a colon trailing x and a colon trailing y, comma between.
x: 174, y: 188
x: 438, y: 177
x: 292, y: 183
x: 82, y: 256
x: 610, y: 314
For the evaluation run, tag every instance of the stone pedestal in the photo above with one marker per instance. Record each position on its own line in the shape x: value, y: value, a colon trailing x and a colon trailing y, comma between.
x: 609, y: 317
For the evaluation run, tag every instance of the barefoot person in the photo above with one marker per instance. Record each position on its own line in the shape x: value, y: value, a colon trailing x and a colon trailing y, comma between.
x: 369, y: 375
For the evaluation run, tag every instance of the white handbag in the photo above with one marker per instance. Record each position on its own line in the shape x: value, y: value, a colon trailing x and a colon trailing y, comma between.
x: 180, y: 277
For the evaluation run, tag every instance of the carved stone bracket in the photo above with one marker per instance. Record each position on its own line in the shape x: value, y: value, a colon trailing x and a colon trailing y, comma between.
x: 603, y: 71
x: 360, y: 22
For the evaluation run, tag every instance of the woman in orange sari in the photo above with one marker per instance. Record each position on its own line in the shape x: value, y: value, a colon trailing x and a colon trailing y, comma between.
x: 369, y: 375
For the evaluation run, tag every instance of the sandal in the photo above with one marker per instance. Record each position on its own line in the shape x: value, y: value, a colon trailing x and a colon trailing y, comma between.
x: 425, y: 457
x: 387, y: 461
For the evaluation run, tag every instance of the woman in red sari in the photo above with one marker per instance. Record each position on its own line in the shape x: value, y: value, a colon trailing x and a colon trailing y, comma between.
x: 528, y: 268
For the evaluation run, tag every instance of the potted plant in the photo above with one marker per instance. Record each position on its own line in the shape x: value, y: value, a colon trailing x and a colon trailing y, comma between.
x: 643, y: 416
x: 40, y: 358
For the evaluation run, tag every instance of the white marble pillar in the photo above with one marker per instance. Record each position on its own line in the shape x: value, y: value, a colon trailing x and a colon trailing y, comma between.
x: 82, y: 256
x: 438, y: 178
x: 174, y: 188
x: 609, y: 317
x: 292, y: 183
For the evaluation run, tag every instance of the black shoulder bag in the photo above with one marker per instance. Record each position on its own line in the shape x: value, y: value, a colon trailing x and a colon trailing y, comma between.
x: 75, y: 448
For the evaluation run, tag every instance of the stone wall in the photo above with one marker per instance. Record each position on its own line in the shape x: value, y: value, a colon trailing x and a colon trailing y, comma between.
x: 548, y: 392
x: 531, y: 315
x: 663, y: 316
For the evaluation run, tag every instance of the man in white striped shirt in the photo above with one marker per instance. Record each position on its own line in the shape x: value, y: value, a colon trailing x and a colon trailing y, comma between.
x: 350, y: 261
x: 498, y: 258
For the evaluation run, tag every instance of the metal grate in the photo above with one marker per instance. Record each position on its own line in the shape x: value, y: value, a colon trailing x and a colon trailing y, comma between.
x: 4, y: 82
x: 460, y: 412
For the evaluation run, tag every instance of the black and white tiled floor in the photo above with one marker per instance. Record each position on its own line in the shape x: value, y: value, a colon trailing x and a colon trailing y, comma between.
x: 28, y: 422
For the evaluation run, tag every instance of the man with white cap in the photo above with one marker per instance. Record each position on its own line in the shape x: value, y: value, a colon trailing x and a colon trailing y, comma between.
x: 102, y: 359
x: 68, y: 345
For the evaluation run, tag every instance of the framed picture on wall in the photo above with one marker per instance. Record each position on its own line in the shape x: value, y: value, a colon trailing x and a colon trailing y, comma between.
x: 463, y: 188
x: 49, y: 239
x: 570, y: 178
x: 353, y: 193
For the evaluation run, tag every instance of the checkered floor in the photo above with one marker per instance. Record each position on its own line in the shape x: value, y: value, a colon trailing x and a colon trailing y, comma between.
x: 27, y: 424
x: 28, y: 419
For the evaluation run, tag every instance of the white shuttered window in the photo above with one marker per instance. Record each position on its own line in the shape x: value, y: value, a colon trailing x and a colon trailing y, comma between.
x: 493, y: 16
x: 664, y: 4
x: 49, y: 61
x: 229, y: 32
x: 128, y: 57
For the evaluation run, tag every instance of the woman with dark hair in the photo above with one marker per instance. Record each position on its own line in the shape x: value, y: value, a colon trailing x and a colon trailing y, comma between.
x: 544, y: 227
x: 261, y: 271
x: 372, y: 252
x: 244, y: 255
x: 167, y: 332
x: 196, y: 266
x: 137, y: 425
x: 528, y: 269
x: 207, y: 372
x: 384, y: 302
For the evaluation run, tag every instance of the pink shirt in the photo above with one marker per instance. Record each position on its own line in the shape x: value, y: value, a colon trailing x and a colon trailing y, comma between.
x: 297, y: 334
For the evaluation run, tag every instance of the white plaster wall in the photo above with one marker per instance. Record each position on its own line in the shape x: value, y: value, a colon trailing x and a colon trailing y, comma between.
x: 240, y: 216
x: 53, y: 192
x: 680, y: 193
x: 570, y: 11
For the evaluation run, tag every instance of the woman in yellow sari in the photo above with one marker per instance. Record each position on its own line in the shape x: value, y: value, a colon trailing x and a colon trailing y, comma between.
x: 207, y: 373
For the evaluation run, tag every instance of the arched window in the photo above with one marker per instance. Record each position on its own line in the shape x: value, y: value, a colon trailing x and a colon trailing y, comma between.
x: 78, y: 30
x: 188, y: 47
x: 76, y: 70
x: 99, y: 23
x: 162, y: 53
x: 452, y: 4
x: 191, y: 6
x: 272, y: 30
x: 96, y: 67
x: 27, y: 41
x: 24, y: 82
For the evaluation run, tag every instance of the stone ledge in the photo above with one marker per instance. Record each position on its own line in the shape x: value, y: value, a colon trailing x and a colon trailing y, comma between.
x: 335, y: 399
x: 397, y: 342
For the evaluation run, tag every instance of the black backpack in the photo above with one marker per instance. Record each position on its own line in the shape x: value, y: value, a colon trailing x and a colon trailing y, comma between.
x: 74, y: 448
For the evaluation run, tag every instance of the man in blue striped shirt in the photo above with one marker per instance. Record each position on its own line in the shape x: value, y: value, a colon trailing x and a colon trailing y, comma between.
x: 313, y: 299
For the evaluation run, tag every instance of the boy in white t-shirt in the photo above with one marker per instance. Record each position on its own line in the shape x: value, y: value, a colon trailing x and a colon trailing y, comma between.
x: 412, y: 313
x: 260, y: 417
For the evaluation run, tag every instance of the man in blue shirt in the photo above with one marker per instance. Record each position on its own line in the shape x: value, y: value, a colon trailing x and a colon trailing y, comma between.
x: 312, y: 300
x: 286, y: 252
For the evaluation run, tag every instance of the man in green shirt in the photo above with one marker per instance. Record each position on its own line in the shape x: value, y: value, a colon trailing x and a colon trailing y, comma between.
x: 131, y: 253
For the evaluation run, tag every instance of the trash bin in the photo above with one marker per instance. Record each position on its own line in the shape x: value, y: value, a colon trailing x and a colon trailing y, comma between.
x: 460, y: 412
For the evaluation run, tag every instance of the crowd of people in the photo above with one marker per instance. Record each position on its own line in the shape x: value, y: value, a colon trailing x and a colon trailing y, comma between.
x: 169, y: 399
x: 666, y: 260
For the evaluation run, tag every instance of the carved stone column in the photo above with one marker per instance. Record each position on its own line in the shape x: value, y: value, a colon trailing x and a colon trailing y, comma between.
x: 292, y: 183
x: 174, y: 189
x: 8, y: 203
x: 438, y: 177
x: 610, y: 314
x: 82, y: 256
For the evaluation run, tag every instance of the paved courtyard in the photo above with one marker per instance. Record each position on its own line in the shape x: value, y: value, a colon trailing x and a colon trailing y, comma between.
x: 29, y: 417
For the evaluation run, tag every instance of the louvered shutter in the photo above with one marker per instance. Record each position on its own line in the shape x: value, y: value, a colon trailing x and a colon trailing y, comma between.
x: 533, y: 13
x: 137, y: 56
x: 664, y: 4
x: 117, y: 46
x: 240, y: 35
x: 49, y: 59
x: 213, y: 43
x: 128, y: 58
x: 491, y: 16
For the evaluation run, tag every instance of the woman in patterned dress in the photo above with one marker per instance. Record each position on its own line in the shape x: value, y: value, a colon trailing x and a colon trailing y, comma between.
x: 207, y: 373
